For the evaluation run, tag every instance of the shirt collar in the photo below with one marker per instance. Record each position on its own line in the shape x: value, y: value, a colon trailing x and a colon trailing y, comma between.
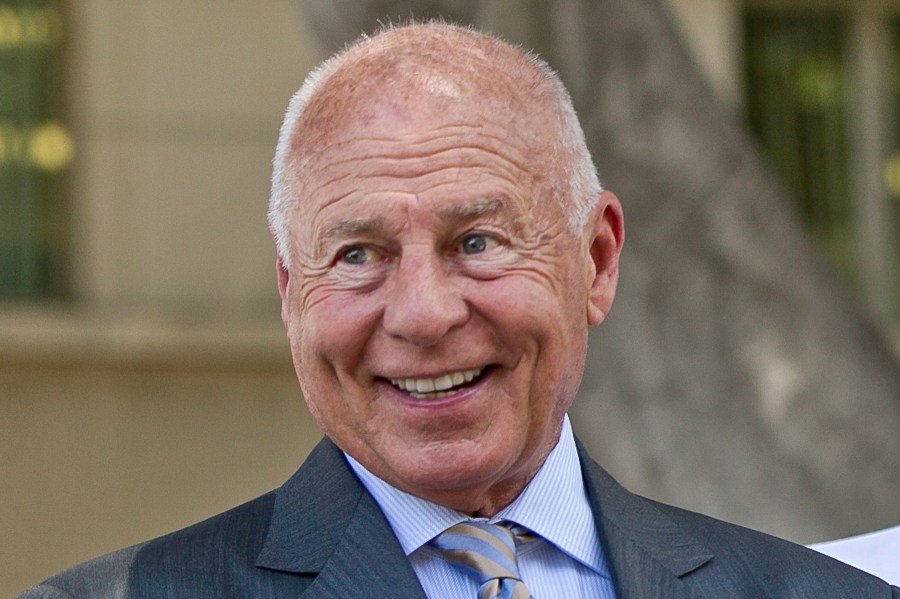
x: 554, y: 505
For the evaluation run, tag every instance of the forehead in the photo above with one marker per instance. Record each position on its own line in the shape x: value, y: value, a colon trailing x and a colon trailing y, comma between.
x: 397, y: 118
x: 427, y: 72
x: 449, y: 168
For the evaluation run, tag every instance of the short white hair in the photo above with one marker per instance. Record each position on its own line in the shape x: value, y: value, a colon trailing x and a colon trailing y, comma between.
x: 577, y: 191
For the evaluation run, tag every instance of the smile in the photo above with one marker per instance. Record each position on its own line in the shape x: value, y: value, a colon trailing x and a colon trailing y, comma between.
x: 442, y: 386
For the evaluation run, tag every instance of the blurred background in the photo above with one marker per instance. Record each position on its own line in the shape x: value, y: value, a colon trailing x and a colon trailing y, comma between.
x: 750, y: 368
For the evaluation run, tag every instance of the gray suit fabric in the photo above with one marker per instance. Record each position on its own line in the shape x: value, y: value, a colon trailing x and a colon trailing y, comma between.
x: 321, y: 535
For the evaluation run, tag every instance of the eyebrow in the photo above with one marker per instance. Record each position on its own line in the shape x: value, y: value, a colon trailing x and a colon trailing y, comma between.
x: 377, y: 225
x: 481, y: 207
x: 352, y: 227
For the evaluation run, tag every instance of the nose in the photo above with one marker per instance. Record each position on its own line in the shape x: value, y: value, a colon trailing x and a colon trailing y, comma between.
x: 423, y: 303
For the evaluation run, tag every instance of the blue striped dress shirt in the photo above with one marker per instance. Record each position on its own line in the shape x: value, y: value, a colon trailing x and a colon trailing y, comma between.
x: 565, y: 561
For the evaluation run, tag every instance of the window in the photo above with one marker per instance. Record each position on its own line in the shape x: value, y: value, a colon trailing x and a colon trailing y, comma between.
x: 35, y: 150
x: 892, y: 169
x: 814, y: 81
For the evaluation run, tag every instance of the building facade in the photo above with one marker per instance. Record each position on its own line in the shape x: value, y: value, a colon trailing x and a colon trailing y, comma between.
x: 139, y: 320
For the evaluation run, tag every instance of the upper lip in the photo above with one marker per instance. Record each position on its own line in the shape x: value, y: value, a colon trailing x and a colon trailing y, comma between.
x: 443, y: 382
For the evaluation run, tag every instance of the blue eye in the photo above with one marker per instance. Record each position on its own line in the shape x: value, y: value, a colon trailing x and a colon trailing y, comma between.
x: 474, y: 244
x: 356, y: 255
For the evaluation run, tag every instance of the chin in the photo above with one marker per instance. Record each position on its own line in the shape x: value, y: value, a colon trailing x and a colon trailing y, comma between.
x: 448, y: 469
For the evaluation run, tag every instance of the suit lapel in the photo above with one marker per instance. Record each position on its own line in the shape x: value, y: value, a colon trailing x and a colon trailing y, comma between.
x: 327, y: 527
x: 648, y: 553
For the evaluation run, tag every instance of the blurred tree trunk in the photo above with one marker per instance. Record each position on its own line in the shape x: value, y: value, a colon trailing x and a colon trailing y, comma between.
x: 734, y: 375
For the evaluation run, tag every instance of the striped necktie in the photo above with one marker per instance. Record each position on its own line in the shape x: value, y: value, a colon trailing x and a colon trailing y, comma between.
x: 488, y: 551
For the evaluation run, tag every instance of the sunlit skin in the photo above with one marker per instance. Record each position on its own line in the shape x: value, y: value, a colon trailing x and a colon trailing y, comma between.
x: 426, y: 243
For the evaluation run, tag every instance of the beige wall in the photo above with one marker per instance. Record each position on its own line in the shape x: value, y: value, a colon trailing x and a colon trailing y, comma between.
x: 176, y: 107
x: 710, y: 28
x: 163, y: 393
x: 104, y: 455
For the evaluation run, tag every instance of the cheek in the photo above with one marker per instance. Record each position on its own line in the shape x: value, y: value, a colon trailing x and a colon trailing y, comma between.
x: 543, y: 318
x: 331, y: 332
x: 542, y: 304
x: 328, y: 346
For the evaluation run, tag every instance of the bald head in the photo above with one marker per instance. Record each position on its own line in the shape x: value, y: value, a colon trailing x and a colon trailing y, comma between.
x: 408, y: 75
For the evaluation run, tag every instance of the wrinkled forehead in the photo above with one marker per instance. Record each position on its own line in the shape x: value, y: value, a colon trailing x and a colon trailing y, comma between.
x: 413, y: 79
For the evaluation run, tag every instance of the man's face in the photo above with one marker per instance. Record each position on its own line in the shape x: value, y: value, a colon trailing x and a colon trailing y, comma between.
x: 437, y: 302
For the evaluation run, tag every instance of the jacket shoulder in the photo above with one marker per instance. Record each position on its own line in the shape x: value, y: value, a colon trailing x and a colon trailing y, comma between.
x: 195, y: 561
x: 774, y: 566
x: 653, y: 546
x: 105, y: 576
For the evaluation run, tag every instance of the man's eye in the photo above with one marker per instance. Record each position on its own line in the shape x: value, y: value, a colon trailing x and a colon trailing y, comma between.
x: 475, y: 243
x: 357, y: 255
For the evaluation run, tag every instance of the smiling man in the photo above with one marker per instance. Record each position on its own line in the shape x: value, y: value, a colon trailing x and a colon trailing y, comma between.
x: 436, y: 289
x: 443, y: 246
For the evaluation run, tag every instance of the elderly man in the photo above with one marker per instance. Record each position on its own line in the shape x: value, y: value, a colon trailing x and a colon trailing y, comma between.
x: 443, y: 245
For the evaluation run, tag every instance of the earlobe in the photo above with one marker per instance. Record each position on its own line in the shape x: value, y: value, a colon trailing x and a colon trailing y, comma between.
x: 606, y: 234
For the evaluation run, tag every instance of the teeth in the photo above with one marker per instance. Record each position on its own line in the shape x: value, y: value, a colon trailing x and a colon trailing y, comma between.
x: 438, y: 387
x: 443, y: 383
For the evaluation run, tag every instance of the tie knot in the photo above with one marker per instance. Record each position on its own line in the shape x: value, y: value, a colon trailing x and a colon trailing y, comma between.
x: 489, y: 552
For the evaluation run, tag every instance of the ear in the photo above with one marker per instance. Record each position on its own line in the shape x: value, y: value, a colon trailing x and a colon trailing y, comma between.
x: 283, y: 280
x: 606, y: 234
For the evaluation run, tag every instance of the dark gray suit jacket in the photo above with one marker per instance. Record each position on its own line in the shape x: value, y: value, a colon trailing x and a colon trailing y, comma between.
x: 322, y: 535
